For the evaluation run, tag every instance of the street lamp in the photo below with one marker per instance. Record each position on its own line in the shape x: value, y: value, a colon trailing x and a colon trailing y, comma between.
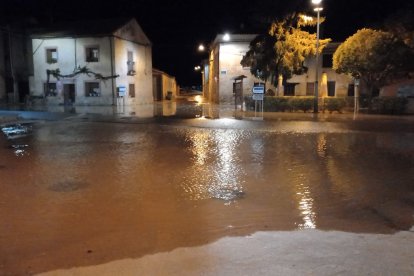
x: 318, y: 9
x: 201, y: 48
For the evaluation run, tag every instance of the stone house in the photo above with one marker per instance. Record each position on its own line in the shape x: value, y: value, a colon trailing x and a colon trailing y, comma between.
x: 116, y: 47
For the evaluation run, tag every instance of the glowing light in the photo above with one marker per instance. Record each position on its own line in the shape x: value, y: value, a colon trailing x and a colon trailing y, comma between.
x: 201, y: 48
x: 307, y: 18
x: 316, y: 2
x: 306, y: 207
x: 226, y: 37
x: 198, y: 99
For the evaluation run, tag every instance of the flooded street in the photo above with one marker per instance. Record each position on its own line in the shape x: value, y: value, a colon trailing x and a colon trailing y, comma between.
x: 81, y: 192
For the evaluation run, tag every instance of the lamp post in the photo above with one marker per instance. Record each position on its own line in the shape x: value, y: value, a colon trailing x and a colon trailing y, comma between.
x: 318, y: 9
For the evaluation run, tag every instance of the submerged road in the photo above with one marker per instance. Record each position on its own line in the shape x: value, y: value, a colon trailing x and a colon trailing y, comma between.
x: 208, y: 192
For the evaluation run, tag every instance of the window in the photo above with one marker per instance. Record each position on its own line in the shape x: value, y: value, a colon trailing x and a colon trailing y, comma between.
x: 51, y: 55
x: 92, y: 54
x: 50, y: 89
x: 132, y: 90
x: 131, y: 63
x: 289, y: 89
x: 331, y: 88
x: 327, y: 60
x: 92, y: 89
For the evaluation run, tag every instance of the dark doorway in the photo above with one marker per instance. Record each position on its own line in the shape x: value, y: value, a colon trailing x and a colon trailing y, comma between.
x: 23, y: 91
x: 69, y: 93
x: 331, y: 88
x: 157, y: 87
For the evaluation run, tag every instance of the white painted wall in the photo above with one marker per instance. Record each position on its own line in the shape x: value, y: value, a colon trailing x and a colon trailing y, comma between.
x: 230, y: 57
x: 72, y: 53
x: 142, y: 56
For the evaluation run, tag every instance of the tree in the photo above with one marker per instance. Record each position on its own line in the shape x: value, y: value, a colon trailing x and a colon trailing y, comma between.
x: 401, y: 25
x: 283, y: 50
x: 376, y: 57
x: 260, y: 57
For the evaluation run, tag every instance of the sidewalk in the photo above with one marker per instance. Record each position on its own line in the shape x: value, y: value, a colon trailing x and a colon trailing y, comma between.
x: 305, y: 252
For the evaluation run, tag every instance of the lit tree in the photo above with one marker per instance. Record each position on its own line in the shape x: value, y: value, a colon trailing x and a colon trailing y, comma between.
x: 376, y: 57
x: 283, y: 50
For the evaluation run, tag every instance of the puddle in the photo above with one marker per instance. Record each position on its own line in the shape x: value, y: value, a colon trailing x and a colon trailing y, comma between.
x: 16, y: 130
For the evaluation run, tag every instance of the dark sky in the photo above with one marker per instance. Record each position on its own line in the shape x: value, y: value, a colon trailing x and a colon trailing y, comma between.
x: 176, y: 27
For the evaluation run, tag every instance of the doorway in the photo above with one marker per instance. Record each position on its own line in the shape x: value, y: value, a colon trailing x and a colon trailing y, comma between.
x: 69, y: 93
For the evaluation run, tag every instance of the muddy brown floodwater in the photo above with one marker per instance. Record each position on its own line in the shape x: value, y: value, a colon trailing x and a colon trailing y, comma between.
x: 84, y: 193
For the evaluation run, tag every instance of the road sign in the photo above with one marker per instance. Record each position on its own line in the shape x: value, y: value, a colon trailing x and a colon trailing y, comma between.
x: 258, y: 97
x: 258, y: 89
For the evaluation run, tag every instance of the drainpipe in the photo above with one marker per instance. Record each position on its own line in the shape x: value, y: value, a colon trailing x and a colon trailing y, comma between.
x: 111, y: 46
x: 76, y: 58
x: 13, y: 75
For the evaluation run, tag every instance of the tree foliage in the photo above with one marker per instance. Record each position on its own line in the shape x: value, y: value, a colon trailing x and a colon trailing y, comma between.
x: 401, y: 25
x: 283, y: 50
x: 376, y: 57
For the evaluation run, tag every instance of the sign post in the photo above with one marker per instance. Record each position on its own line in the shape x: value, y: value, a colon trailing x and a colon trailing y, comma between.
x: 258, y: 97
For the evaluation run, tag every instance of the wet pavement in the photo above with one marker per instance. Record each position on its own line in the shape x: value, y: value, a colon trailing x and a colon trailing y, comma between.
x: 87, y: 188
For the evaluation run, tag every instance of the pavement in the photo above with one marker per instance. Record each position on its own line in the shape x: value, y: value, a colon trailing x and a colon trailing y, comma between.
x: 305, y: 252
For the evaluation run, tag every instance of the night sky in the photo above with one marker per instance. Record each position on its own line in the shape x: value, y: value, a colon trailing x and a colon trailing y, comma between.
x: 176, y: 27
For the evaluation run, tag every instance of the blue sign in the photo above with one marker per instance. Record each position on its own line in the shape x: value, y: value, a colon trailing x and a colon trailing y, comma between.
x: 121, y: 91
x: 258, y: 89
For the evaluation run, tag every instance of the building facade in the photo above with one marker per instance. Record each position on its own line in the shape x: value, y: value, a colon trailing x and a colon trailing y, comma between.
x: 164, y: 86
x: 223, y: 67
x: 15, y: 64
x: 118, y: 49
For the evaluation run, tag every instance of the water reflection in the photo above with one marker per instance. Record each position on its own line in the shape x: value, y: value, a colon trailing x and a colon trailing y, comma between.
x: 216, y: 171
x: 305, y: 204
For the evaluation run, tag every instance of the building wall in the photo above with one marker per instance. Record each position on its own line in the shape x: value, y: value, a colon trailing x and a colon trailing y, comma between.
x: 15, y: 65
x: 325, y: 74
x: 142, y: 56
x: 169, y: 85
x: 225, y: 64
x: 72, y: 53
x: 163, y: 84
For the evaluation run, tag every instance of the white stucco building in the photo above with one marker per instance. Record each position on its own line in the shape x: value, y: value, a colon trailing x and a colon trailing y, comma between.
x: 224, y: 65
x: 107, y: 47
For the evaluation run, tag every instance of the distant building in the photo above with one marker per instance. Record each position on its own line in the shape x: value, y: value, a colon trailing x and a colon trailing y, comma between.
x: 224, y: 66
x: 106, y: 47
x: 15, y: 64
x: 164, y: 86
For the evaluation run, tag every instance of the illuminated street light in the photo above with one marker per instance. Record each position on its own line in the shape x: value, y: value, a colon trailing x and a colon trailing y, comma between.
x: 226, y: 37
x: 197, y: 68
x: 318, y: 9
x: 201, y: 48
